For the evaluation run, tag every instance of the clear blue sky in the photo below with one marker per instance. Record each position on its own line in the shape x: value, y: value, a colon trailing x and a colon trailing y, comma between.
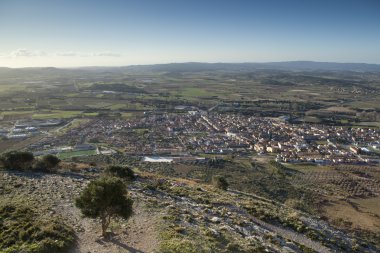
x: 81, y: 33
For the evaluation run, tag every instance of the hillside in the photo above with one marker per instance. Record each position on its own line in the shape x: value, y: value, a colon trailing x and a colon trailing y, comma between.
x: 177, y: 215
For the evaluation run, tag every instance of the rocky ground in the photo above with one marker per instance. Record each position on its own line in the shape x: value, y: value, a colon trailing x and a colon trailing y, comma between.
x: 55, y: 194
x: 178, y: 216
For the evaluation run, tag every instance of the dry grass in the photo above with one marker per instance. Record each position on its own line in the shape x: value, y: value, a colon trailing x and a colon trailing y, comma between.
x: 340, y: 209
x: 371, y: 206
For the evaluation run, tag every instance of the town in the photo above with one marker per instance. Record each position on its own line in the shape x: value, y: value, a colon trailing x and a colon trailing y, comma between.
x: 196, y: 134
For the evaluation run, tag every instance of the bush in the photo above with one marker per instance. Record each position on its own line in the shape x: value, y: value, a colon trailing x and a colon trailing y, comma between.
x: 40, y: 166
x: 22, y: 160
x: 50, y: 161
x: 17, y: 160
x: 121, y: 171
x: 158, y: 184
x: 220, y: 182
x: 46, y: 163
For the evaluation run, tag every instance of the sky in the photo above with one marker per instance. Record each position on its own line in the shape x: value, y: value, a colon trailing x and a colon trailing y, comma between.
x: 71, y: 33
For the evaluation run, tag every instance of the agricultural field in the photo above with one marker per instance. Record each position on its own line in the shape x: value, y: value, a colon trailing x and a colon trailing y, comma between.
x: 349, y: 193
x: 342, y: 97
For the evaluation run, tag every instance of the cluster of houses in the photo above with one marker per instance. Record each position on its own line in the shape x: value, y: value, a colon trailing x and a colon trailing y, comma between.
x: 301, y: 142
x: 194, y: 133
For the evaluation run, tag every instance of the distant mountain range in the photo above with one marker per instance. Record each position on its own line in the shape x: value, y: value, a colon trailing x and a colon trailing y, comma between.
x: 290, y: 65
x: 191, y: 67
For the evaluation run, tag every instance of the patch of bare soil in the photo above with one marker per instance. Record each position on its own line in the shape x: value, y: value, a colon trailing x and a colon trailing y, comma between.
x: 340, y: 209
x: 137, y: 235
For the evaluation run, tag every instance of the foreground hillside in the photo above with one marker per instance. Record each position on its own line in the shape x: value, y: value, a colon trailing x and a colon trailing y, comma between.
x: 174, y: 215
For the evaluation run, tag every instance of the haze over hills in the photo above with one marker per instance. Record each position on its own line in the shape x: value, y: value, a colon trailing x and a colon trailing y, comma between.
x: 288, y: 65
x: 6, y: 72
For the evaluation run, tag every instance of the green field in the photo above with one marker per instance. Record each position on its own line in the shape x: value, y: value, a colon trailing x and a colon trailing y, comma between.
x: 62, y: 114
x: 195, y: 92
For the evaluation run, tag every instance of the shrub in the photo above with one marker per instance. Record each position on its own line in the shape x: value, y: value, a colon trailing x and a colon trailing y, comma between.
x: 220, y: 182
x: 46, y: 163
x: 17, y: 160
x: 159, y: 184
x: 121, y: 171
x: 50, y: 161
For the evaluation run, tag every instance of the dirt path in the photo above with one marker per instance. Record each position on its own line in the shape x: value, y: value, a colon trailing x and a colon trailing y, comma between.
x: 141, y: 233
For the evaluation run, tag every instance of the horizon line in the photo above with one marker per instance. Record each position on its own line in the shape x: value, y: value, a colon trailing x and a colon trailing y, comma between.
x: 187, y: 62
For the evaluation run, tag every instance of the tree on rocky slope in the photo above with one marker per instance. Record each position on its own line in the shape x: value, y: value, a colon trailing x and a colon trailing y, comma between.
x: 105, y: 198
